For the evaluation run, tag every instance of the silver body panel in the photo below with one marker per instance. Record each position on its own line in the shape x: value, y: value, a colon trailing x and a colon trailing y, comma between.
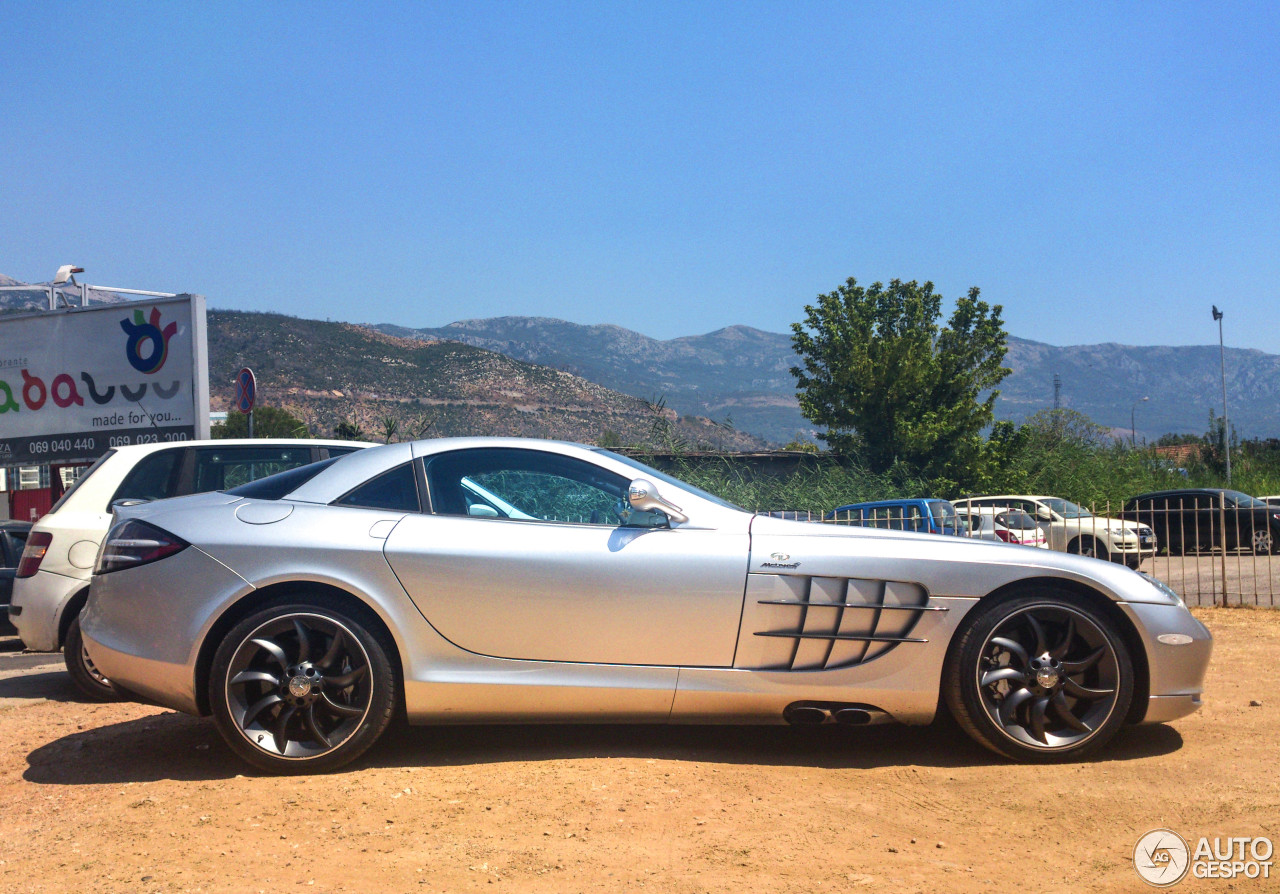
x: 727, y: 617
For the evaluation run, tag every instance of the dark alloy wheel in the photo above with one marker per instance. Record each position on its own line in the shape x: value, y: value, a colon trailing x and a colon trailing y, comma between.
x: 91, y: 682
x: 1040, y: 678
x: 301, y: 688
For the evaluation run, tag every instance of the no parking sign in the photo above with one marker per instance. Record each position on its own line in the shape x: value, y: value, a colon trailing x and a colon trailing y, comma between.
x: 246, y: 390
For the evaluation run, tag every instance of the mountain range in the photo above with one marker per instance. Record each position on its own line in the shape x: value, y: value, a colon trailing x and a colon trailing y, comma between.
x: 742, y: 375
x: 728, y: 389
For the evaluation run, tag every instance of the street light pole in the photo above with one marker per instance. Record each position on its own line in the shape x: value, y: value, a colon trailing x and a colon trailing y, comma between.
x: 1133, y: 426
x: 1222, y: 361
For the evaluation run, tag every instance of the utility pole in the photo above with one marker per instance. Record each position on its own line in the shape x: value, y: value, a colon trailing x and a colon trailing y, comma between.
x: 1222, y: 361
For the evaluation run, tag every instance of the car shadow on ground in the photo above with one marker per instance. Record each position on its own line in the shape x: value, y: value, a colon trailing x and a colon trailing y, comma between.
x: 177, y: 746
x: 53, y: 685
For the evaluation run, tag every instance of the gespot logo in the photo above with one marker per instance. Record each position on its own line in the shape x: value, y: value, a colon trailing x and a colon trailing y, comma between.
x: 147, y: 336
x: 1163, y: 858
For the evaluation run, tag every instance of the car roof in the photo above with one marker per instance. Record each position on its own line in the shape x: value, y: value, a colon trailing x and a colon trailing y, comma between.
x: 872, y: 504
x: 141, y: 449
x: 1011, y: 497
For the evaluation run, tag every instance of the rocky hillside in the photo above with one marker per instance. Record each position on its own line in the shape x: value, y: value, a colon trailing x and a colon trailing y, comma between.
x: 737, y: 375
x: 328, y: 372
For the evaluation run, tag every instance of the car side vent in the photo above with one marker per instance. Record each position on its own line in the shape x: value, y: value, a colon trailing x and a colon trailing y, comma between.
x: 827, y: 622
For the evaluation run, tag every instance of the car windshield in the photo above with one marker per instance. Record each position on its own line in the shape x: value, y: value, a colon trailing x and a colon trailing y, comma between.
x: 944, y: 514
x: 1066, y: 508
x: 649, y: 472
x: 1244, y: 501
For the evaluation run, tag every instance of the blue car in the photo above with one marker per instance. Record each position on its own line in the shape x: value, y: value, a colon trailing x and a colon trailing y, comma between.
x: 927, y: 516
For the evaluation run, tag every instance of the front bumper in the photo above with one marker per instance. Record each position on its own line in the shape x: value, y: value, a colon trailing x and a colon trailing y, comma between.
x: 1177, y: 647
x: 40, y: 601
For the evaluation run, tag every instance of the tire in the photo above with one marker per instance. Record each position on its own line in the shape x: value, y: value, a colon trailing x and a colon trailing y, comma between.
x: 1262, y: 542
x: 302, y: 687
x: 1089, y: 546
x: 88, y: 679
x: 1040, y: 677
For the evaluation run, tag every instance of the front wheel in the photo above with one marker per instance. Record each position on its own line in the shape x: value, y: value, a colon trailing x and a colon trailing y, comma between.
x: 84, y: 673
x: 1089, y: 546
x: 1044, y: 677
x: 302, y: 688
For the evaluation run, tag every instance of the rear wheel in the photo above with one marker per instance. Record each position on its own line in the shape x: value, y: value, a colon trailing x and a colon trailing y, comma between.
x: 1044, y: 677
x: 1262, y: 542
x: 302, y: 688
x: 91, y: 682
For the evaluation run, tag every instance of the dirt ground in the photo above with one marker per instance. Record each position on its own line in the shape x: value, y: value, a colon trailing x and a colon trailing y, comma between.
x: 125, y: 798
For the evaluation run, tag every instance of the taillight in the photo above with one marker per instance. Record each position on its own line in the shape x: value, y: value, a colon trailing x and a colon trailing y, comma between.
x: 37, y: 545
x: 1006, y: 536
x: 132, y: 543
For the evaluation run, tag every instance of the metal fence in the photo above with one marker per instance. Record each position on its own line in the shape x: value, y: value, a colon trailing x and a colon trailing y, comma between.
x: 1210, y: 550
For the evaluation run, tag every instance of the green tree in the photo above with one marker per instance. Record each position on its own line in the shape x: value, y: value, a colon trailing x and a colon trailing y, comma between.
x: 891, y: 385
x: 268, y: 422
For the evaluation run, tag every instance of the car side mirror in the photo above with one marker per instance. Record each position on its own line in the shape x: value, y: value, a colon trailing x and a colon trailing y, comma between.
x: 480, y: 510
x: 1044, y: 515
x: 644, y: 497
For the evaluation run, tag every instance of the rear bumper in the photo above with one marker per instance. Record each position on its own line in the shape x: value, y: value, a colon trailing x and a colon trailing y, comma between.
x: 41, y: 600
x: 150, y: 681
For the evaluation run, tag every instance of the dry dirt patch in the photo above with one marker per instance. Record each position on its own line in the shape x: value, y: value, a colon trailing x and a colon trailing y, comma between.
x: 124, y: 798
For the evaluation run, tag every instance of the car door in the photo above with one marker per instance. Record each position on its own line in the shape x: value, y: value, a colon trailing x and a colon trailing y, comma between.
x: 565, y: 578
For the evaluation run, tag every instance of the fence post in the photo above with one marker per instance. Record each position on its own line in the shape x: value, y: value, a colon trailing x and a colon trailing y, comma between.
x: 1222, y: 534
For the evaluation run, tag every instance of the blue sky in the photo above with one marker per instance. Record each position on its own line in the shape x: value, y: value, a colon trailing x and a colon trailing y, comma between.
x: 1104, y: 171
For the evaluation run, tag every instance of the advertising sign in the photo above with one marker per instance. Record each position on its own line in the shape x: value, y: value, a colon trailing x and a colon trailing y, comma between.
x: 76, y: 382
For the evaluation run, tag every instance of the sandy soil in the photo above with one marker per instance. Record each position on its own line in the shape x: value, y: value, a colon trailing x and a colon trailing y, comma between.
x: 124, y: 798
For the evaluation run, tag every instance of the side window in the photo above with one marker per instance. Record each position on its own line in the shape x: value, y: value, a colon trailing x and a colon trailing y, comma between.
x: 916, y: 519
x: 222, y: 468
x: 153, y: 478
x: 530, y: 485
x: 396, y: 491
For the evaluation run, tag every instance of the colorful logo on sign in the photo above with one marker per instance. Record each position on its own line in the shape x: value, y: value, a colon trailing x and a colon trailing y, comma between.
x: 148, y: 345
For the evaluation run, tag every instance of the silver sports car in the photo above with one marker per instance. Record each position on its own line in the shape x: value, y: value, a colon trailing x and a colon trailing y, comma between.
x: 512, y: 580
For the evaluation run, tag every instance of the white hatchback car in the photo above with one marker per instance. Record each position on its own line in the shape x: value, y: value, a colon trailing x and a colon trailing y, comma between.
x: 1074, y: 529
x: 52, y: 580
x: 1004, y: 525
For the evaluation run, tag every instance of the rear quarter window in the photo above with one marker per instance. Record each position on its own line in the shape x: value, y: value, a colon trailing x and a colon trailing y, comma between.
x: 153, y: 478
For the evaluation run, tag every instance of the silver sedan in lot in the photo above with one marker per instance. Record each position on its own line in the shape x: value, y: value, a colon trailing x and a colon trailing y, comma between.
x: 513, y: 580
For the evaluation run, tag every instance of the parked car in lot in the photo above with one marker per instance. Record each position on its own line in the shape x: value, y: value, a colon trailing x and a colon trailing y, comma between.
x: 1074, y: 529
x: 1005, y: 525
x: 1273, y: 500
x: 53, y: 577
x: 305, y: 611
x: 1200, y: 519
x: 13, y: 538
x: 927, y: 516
